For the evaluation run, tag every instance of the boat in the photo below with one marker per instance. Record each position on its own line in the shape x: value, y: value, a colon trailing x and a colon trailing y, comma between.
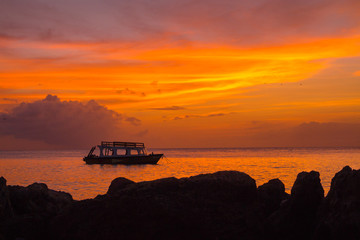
x: 121, y: 153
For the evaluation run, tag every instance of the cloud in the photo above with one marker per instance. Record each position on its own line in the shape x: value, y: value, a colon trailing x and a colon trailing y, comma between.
x: 8, y: 91
x: 200, y: 116
x: 127, y: 91
x: 244, y: 22
x: 169, y: 108
x: 326, y: 134
x: 10, y: 99
x: 216, y: 115
x: 133, y: 120
x: 307, y: 134
x: 69, y: 124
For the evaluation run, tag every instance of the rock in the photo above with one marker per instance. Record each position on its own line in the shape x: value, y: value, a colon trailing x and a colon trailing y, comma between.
x: 271, y: 195
x: 118, y: 184
x: 38, y: 200
x: 33, y: 207
x: 295, y: 219
x: 5, y: 205
x: 307, y: 192
x: 223, y: 185
x: 339, y: 217
x: 220, y: 205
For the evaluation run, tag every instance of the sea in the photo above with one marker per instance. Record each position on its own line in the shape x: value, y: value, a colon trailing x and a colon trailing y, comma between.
x: 66, y: 171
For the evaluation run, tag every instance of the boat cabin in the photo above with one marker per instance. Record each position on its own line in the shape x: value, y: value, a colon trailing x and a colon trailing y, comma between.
x: 108, y: 149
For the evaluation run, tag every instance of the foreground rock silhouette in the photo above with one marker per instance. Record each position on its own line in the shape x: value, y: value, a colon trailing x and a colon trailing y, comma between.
x: 339, y: 215
x: 32, y: 208
x: 295, y: 219
x: 222, y: 205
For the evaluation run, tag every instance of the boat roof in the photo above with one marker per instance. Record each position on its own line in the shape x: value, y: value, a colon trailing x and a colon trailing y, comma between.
x: 122, y: 144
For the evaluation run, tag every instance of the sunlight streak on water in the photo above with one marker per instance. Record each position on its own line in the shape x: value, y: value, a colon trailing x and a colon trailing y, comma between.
x: 65, y: 170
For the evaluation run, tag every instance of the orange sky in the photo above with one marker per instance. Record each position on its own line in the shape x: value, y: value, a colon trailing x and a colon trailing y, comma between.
x: 191, y: 73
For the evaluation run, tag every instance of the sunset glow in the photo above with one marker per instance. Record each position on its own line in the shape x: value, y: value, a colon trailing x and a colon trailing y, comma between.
x: 237, y: 79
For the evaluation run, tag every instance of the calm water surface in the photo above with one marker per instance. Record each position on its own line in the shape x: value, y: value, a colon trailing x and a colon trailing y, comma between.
x: 65, y: 170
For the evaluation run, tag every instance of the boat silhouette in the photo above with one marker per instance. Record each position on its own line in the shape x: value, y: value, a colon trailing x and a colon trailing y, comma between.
x: 121, y: 153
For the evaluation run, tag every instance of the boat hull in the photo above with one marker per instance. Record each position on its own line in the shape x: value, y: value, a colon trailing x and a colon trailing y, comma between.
x: 127, y: 160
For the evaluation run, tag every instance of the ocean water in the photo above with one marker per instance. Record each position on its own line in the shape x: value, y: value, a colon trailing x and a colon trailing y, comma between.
x: 66, y: 171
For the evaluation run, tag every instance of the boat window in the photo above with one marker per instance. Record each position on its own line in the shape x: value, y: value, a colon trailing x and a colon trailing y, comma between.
x: 133, y: 152
x: 121, y: 152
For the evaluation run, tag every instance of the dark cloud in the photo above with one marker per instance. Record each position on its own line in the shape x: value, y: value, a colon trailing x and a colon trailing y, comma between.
x: 38, y: 91
x: 216, y: 115
x: 133, y: 120
x: 183, y: 117
x: 327, y: 134
x: 172, y: 108
x: 200, y: 116
x: 69, y: 124
x: 10, y: 100
x: 310, y: 134
x: 128, y: 91
x: 243, y: 22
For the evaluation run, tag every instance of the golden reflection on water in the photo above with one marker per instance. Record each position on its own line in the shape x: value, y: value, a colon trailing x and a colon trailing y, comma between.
x: 65, y: 170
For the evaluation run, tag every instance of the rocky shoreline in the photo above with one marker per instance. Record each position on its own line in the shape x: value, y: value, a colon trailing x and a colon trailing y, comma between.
x: 221, y: 205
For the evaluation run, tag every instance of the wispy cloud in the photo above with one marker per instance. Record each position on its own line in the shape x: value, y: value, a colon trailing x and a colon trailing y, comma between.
x: 171, y: 108
x: 14, y: 100
x: 200, y: 116
x: 127, y: 91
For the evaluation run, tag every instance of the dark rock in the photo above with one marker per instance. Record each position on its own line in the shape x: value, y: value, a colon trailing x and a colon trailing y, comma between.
x: 222, y: 205
x: 307, y: 192
x: 38, y: 200
x: 33, y: 207
x: 271, y: 194
x: 296, y: 217
x: 6, y: 212
x: 5, y: 205
x: 223, y: 185
x: 118, y: 184
x: 339, y: 217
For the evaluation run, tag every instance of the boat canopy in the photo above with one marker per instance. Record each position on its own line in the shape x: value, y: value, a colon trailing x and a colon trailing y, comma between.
x: 111, y: 148
x: 122, y: 144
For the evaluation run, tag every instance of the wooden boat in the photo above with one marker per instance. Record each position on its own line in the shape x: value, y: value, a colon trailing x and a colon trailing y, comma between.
x: 121, y: 153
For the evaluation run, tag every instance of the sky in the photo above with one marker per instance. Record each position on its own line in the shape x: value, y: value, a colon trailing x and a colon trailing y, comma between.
x: 244, y: 73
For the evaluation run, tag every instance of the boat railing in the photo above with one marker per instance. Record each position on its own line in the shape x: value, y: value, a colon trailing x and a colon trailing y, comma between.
x: 91, y: 151
x: 122, y: 144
